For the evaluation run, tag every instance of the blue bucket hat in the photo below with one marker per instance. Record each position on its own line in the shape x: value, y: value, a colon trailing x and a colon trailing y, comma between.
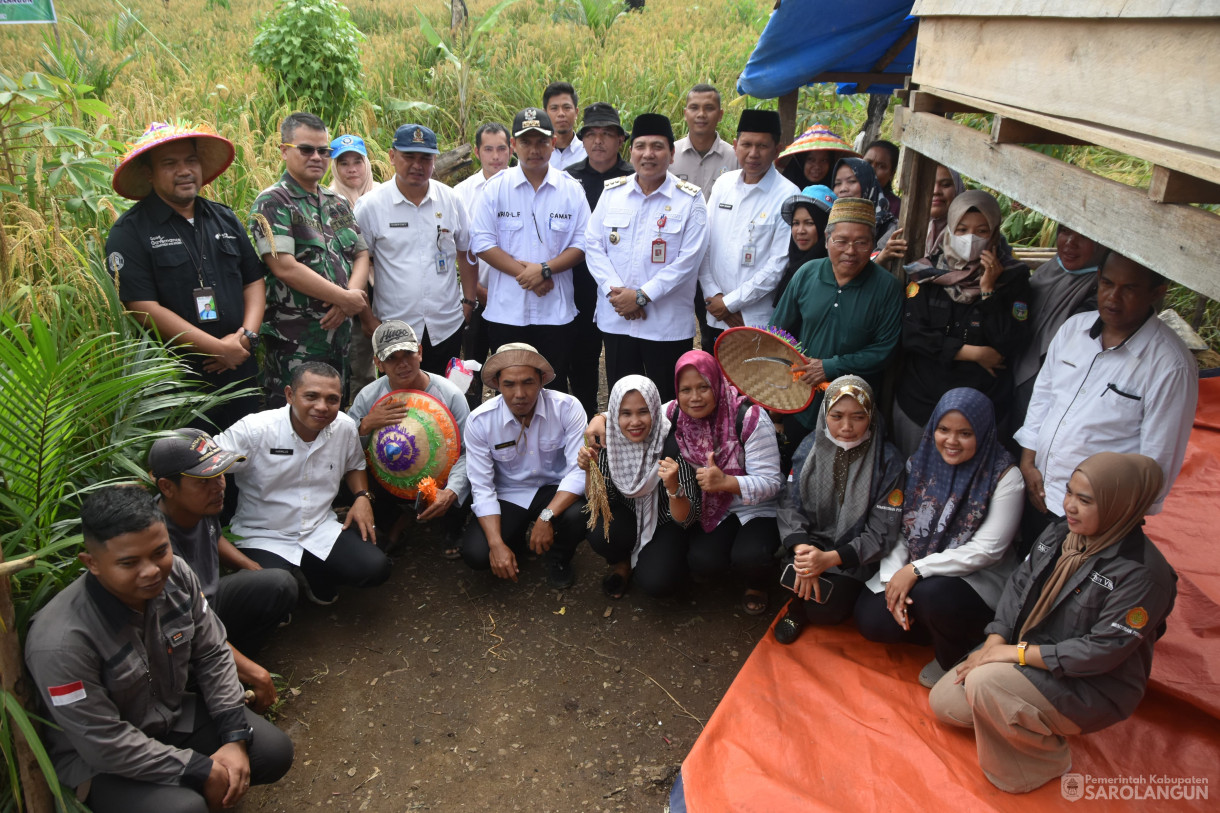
x: 348, y: 143
x: 415, y: 138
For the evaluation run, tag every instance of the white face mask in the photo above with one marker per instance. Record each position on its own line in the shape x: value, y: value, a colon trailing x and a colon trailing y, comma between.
x: 848, y: 445
x: 967, y: 246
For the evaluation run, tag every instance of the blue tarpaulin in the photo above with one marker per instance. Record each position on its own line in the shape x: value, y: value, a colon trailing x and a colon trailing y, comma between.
x: 807, y: 38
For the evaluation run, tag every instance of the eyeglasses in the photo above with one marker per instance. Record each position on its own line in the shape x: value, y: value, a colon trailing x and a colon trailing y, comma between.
x: 858, y: 245
x: 308, y: 150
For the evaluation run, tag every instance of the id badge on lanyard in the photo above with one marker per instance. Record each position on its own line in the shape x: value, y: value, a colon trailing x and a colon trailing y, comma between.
x: 205, y: 304
x: 749, y: 250
x: 658, y: 245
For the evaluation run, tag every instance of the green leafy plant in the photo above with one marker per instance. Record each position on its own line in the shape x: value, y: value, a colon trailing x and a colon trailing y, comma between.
x: 598, y: 15
x: 311, y: 51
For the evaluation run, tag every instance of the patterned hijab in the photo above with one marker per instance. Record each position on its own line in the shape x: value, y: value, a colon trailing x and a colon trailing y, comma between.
x: 870, y: 188
x: 1124, y: 486
x: 836, y: 484
x: 717, y: 433
x: 945, y: 504
x: 633, y: 465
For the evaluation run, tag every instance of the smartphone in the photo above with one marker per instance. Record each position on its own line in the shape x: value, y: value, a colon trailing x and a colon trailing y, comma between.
x: 788, y: 579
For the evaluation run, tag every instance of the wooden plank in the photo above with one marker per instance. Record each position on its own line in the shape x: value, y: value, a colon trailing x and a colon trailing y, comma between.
x: 1200, y: 163
x: 1178, y: 241
x: 1130, y: 9
x: 1006, y: 130
x: 918, y: 180
x: 1151, y: 77
x: 924, y: 102
x: 787, y: 116
x: 1171, y: 186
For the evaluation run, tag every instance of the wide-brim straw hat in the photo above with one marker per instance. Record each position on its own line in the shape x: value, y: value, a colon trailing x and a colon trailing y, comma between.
x: 424, y: 444
x: 759, y: 363
x: 215, y: 154
x: 819, y: 137
x: 516, y: 354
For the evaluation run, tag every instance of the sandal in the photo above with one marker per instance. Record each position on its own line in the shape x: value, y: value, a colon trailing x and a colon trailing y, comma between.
x: 754, y: 602
x: 614, y: 585
x: 452, y: 552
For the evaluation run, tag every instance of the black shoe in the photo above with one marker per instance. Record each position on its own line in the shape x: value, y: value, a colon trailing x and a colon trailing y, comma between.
x: 788, y: 628
x: 559, y: 574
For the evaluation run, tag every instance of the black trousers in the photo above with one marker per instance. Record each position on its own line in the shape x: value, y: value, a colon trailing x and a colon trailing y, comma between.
x: 944, y: 612
x: 627, y: 355
x: 748, y: 550
x: 584, y: 368
x: 708, y: 336
x: 569, y: 529
x: 838, y: 606
x: 351, y: 561
x: 252, y: 603
x: 436, y: 356
x: 270, y: 758
x: 554, y: 342
x: 475, y: 346
x: 661, y: 567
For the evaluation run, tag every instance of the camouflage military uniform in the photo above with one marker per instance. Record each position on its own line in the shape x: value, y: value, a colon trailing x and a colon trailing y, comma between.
x: 321, y: 232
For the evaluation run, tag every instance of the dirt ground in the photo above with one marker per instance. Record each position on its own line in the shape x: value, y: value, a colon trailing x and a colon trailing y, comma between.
x: 446, y: 689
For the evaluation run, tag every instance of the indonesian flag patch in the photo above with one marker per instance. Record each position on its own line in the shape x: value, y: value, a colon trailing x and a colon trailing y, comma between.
x: 67, y: 693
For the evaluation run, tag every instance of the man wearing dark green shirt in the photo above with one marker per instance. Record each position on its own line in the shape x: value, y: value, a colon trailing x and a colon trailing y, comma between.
x: 845, y: 309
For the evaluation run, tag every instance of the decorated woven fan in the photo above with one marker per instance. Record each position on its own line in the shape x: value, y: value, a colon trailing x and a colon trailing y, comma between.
x: 414, y: 456
x: 758, y: 362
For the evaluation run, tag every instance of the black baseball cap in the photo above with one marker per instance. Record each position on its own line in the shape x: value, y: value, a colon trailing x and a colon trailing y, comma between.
x: 190, y: 452
x: 531, y: 118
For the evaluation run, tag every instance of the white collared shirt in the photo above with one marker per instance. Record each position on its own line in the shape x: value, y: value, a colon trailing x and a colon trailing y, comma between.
x: 703, y: 170
x: 1137, y: 397
x: 288, y: 485
x: 506, y: 462
x: 406, y: 243
x: 469, y: 191
x: 533, y: 227
x: 562, y: 159
x: 741, y: 214
x: 626, y: 260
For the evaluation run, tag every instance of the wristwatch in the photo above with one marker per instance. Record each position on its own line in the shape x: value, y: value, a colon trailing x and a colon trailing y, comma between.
x: 366, y: 494
x: 915, y: 570
x: 251, y: 337
x: 641, y: 298
x: 546, y: 515
x: 1021, y: 647
x: 239, y: 735
x: 546, y: 271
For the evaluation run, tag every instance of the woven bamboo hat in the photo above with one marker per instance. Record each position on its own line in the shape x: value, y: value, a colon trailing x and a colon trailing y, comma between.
x: 131, y: 177
x: 515, y: 354
x: 759, y: 363
x: 819, y: 137
x: 424, y: 444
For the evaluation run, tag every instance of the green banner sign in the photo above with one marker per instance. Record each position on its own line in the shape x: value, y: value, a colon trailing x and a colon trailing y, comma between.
x: 27, y: 11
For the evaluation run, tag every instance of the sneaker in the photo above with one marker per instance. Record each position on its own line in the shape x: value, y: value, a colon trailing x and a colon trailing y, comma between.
x: 559, y: 574
x: 309, y: 593
x: 931, y: 673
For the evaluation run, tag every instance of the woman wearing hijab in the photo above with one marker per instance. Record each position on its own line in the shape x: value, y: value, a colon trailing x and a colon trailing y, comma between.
x: 810, y: 158
x: 652, y: 493
x: 733, y: 447
x: 882, y: 156
x: 946, y: 186
x: 806, y: 214
x: 960, y: 511
x: 965, y: 320
x: 1062, y: 287
x: 854, y: 178
x: 842, y: 510
x: 1071, y: 646
x: 351, y: 177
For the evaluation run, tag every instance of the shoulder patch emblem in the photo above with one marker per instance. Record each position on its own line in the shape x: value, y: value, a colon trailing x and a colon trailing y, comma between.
x: 895, y: 498
x: 689, y: 188
x: 116, y: 262
x: 1137, y: 618
x: 613, y: 182
x: 66, y: 694
x: 1020, y: 311
x: 912, y: 290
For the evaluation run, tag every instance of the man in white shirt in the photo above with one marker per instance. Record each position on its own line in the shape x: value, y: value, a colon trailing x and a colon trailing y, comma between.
x: 560, y: 103
x: 521, y: 460
x: 748, y: 238
x: 643, y: 246
x: 418, y: 235
x: 399, y: 357
x: 1117, y: 380
x: 296, y: 457
x: 493, y: 151
x: 529, y: 226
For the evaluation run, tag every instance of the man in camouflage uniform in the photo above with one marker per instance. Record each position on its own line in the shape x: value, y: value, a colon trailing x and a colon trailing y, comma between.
x: 318, y: 260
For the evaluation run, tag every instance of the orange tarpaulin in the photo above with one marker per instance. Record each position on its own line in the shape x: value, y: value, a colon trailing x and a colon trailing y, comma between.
x: 834, y: 722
